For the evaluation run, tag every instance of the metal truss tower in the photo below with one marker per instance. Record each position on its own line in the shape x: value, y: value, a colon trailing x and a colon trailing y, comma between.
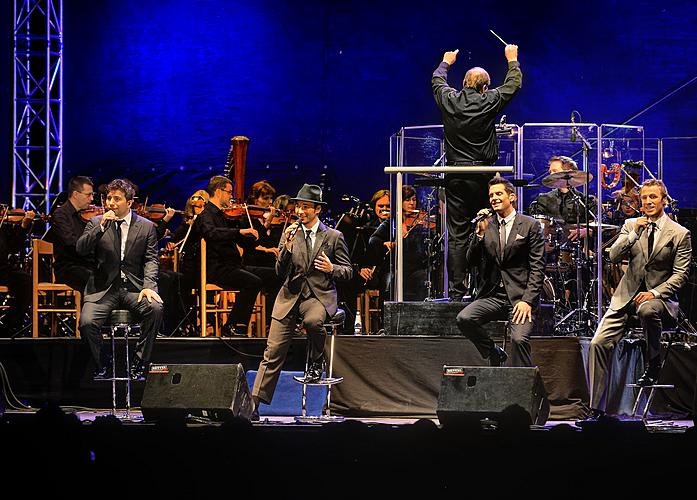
x: 38, y: 103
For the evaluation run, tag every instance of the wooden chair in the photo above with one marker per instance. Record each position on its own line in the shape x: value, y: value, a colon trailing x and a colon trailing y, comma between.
x: 45, y: 292
x: 368, y: 306
x: 4, y: 291
x: 221, y: 301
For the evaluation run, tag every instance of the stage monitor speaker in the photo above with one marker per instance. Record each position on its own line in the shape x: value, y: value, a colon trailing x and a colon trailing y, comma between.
x: 217, y: 392
x: 484, y: 392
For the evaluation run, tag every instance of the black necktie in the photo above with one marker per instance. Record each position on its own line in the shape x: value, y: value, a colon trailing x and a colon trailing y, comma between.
x: 502, y: 236
x: 652, y: 230
x: 117, y: 239
x: 308, y: 244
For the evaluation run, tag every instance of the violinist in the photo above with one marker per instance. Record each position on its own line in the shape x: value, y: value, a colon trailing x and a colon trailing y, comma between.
x: 224, y: 260
x: 369, y: 271
x: 414, y: 233
x: 67, y: 225
x: 261, y: 260
x: 265, y: 253
x: 12, y: 236
x: 175, y: 287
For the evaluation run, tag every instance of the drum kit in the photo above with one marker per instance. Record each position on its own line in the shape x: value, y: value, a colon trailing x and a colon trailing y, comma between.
x: 569, y: 284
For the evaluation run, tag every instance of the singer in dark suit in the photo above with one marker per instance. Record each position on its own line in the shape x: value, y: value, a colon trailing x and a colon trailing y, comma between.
x: 124, y: 248
x: 509, y: 246
x: 659, y: 252
x: 311, y: 258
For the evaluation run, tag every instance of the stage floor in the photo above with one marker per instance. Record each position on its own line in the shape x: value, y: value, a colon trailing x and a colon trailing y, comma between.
x: 135, y: 418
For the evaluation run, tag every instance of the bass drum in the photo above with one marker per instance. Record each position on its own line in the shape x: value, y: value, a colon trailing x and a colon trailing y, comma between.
x: 543, y: 318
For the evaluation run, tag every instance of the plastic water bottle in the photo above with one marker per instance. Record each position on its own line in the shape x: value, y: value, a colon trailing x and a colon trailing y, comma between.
x: 357, y: 325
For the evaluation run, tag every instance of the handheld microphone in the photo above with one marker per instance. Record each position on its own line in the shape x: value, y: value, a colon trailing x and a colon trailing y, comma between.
x: 483, y: 216
x: 573, y: 129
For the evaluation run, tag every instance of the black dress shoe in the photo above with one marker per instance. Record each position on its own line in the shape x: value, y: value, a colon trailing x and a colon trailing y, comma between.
x: 648, y: 378
x: 497, y: 356
x: 230, y: 330
x: 594, y: 416
x: 102, y: 373
x: 137, y: 369
x: 314, y: 371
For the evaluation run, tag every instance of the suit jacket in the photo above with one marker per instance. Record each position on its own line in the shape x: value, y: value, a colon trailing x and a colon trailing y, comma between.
x: 140, y: 263
x: 292, y: 267
x: 522, y: 266
x: 666, y: 270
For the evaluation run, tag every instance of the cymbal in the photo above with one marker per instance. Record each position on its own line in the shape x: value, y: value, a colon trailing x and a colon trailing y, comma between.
x: 567, y: 178
x: 604, y: 227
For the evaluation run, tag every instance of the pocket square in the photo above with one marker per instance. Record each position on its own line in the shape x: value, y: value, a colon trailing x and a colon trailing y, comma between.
x: 519, y: 237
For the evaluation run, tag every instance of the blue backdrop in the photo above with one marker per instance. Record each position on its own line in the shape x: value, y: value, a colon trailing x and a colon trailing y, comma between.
x: 155, y: 89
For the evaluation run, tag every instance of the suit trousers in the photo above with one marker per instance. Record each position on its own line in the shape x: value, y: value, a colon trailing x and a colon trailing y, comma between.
x: 95, y: 314
x: 610, y: 330
x: 464, y: 197
x: 493, y: 308
x: 314, y: 316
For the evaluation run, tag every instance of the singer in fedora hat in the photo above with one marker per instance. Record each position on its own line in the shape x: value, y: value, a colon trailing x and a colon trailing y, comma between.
x: 311, y: 258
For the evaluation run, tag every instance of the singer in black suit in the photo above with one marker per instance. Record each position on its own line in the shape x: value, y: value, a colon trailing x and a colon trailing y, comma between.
x: 124, y: 247
x: 311, y: 258
x: 509, y: 246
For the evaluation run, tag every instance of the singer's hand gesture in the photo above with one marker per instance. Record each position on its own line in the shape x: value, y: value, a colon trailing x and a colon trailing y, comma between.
x: 484, y: 223
x: 322, y: 263
x: 522, y: 312
x: 149, y: 294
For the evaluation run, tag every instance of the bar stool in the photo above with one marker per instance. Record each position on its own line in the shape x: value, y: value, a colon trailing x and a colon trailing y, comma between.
x: 120, y: 319
x: 671, y: 334
x: 332, y: 327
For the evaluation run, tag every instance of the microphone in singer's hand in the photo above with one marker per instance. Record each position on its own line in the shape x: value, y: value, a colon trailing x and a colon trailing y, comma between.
x: 482, y: 216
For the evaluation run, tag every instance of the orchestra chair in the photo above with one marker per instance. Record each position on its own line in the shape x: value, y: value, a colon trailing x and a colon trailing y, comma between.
x: 220, y: 302
x: 45, y: 293
x: 368, y: 305
x: 4, y: 292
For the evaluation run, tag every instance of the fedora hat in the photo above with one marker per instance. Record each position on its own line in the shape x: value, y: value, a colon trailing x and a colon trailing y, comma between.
x: 311, y: 193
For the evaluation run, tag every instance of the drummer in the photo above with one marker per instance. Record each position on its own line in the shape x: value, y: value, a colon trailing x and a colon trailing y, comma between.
x: 559, y: 203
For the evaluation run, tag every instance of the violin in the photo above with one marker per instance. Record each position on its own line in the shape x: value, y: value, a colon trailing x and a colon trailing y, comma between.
x: 17, y: 215
x: 154, y: 212
x: 91, y: 211
x: 283, y: 217
x: 242, y: 210
x: 420, y: 218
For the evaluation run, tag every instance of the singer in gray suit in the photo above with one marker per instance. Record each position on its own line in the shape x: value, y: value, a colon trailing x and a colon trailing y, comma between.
x: 509, y: 246
x: 124, y: 247
x: 311, y: 257
x: 659, y: 253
